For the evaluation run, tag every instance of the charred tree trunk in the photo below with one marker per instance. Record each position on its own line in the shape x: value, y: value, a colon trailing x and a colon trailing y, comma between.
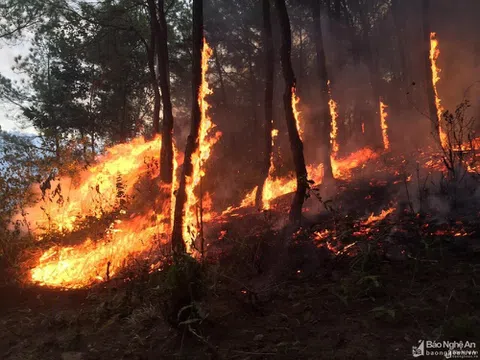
x: 372, y: 127
x: 432, y: 107
x: 323, y: 78
x: 218, y: 66
x: 399, y: 25
x: 296, y: 144
x: 160, y: 28
x: 269, y: 76
x: 178, y: 243
x: 166, y: 154
x: 151, y: 48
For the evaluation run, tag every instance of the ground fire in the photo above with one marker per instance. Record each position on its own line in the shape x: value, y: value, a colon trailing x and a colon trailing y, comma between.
x: 299, y: 174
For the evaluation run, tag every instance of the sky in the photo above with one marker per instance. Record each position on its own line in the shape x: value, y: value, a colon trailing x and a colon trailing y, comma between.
x: 7, y: 111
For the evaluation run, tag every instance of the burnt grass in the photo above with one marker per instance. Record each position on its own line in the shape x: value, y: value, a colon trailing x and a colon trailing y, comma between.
x: 274, y: 293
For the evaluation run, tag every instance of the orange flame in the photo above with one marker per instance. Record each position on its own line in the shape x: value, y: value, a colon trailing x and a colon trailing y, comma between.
x: 276, y: 187
x: 207, y: 138
x: 375, y: 218
x: 128, y: 236
x: 81, y: 265
x: 434, y: 53
x: 383, y: 119
x: 342, y: 167
x: 296, y: 112
x: 363, y: 128
x: 334, y: 126
x: 65, y: 205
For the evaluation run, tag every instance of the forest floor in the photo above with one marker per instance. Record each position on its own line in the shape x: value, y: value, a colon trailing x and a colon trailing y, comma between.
x: 259, y: 304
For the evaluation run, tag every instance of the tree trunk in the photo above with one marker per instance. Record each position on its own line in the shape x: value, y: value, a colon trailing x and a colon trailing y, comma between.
x: 432, y: 107
x: 160, y: 28
x: 178, y: 243
x: 151, y: 48
x: 269, y: 78
x: 399, y: 25
x: 220, y: 76
x: 373, y: 126
x: 296, y: 144
x: 324, y: 98
x: 166, y: 154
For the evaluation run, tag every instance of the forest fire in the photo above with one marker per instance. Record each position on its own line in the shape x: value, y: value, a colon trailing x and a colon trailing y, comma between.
x: 434, y: 53
x: 296, y: 112
x: 374, y: 218
x: 384, y: 126
x: 99, y: 188
x: 80, y: 265
x: 314, y: 162
x: 108, y: 191
x: 207, y: 138
x: 334, y: 126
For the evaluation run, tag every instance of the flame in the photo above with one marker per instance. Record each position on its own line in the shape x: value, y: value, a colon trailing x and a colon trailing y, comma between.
x: 375, y: 218
x: 334, y: 126
x: 296, y: 112
x: 434, y: 53
x: 278, y: 186
x: 79, y: 266
x: 207, y: 138
x: 127, y: 236
x: 342, y: 167
x: 383, y: 119
x: 363, y: 128
x: 66, y: 205
x: 130, y: 235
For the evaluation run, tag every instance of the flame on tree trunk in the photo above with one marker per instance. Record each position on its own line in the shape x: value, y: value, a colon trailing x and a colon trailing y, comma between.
x: 288, y: 99
x: 324, y: 95
x: 384, y: 126
x: 269, y: 73
x: 434, y: 53
x: 334, y: 147
x: 430, y: 80
x: 178, y: 242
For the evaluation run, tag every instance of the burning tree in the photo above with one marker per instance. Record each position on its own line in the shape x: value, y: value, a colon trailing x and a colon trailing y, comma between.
x: 269, y: 71
x: 326, y: 121
x: 296, y: 144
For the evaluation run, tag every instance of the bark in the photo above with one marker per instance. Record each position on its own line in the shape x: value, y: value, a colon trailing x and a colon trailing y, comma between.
x: 269, y: 78
x: 296, y: 144
x: 218, y: 66
x: 166, y: 154
x: 151, y: 48
x: 399, y: 25
x: 160, y: 29
x: 323, y: 78
x: 432, y: 107
x: 372, y: 127
x: 178, y: 243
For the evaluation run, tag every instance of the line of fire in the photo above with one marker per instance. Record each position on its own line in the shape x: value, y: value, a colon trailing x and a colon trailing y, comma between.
x: 258, y: 154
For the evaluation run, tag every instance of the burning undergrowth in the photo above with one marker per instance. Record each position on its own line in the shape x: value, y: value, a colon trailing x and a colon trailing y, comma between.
x: 112, y: 215
x: 376, y: 202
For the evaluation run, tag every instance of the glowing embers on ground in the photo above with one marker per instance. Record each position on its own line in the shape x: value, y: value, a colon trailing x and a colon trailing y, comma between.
x: 99, y: 187
x: 434, y: 53
x: 330, y: 239
x: 207, y: 138
x: 383, y: 124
